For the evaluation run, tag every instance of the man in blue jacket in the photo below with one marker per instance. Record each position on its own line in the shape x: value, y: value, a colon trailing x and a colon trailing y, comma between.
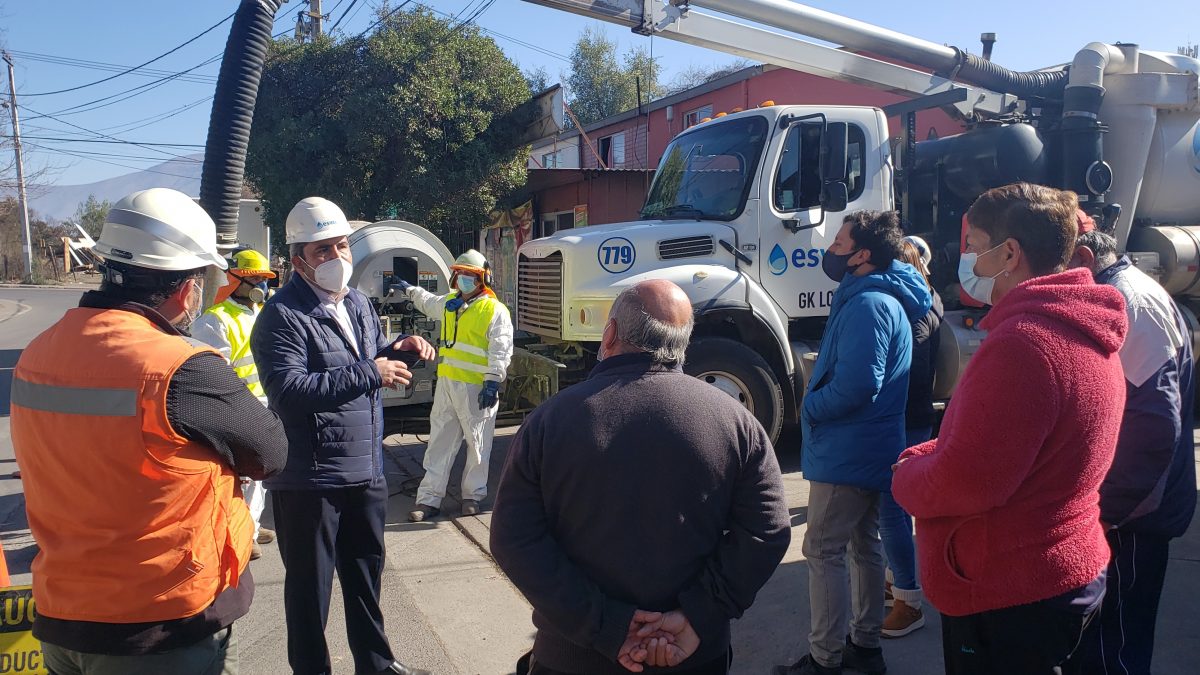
x: 1149, y: 495
x: 322, y: 359
x: 853, y: 430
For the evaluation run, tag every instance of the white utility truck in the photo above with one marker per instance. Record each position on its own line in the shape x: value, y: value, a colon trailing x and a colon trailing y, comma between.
x: 743, y: 206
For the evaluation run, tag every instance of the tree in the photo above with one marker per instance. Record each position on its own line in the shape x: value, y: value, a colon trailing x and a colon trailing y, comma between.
x: 91, y: 214
x: 599, y: 85
x: 45, y: 237
x: 405, y: 122
x: 695, y: 75
x: 538, y: 79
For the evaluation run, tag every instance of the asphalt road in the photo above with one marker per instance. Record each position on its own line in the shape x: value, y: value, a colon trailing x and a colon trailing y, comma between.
x: 24, y: 313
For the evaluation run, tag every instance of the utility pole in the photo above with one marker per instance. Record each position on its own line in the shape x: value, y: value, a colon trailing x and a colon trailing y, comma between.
x: 22, y: 200
x: 309, y: 24
x: 314, y: 12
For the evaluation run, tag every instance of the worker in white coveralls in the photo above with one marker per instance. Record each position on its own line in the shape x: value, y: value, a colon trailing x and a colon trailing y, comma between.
x: 475, y: 348
x: 226, y: 326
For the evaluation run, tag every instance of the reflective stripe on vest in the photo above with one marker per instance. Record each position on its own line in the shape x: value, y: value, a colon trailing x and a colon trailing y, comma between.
x: 238, y: 322
x: 135, y: 523
x: 465, y: 342
x: 92, y: 401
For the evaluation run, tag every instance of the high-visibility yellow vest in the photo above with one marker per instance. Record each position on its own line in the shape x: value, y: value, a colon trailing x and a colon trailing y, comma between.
x: 238, y: 321
x: 464, y: 342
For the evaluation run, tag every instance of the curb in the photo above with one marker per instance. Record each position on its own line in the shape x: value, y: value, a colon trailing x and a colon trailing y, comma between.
x: 64, y: 287
x: 476, y: 531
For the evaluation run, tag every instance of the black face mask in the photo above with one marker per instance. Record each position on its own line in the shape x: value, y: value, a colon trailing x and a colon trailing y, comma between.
x: 836, y: 265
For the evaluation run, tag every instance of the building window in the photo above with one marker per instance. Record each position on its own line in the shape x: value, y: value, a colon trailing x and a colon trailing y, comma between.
x: 612, y: 150
x: 554, y: 222
x: 550, y: 160
x: 692, y: 118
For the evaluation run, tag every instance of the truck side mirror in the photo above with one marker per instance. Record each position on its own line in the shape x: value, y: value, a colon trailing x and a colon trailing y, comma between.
x: 834, y: 196
x: 834, y: 151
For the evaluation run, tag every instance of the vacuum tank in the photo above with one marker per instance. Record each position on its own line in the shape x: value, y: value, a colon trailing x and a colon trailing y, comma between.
x: 393, y: 250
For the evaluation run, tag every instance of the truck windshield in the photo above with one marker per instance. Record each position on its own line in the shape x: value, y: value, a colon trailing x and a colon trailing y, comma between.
x: 706, y: 173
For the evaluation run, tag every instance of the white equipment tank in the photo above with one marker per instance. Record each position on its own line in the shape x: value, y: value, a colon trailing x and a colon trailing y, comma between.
x: 393, y: 250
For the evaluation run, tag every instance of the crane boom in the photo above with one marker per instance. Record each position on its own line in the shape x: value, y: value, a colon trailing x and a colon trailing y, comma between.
x: 683, y: 23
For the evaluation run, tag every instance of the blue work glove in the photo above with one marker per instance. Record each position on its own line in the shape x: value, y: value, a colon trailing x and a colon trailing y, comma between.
x: 489, y: 396
x: 453, y: 304
x: 402, y: 286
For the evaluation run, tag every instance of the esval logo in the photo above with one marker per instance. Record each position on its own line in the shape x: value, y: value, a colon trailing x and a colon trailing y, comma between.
x: 1196, y: 149
x: 778, y: 260
x: 322, y: 224
x: 801, y: 257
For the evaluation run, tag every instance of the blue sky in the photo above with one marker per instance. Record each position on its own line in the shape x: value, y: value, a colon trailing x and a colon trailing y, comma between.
x: 128, y: 32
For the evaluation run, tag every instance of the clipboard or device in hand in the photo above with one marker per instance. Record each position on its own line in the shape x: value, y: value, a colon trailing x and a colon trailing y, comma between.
x: 410, y: 359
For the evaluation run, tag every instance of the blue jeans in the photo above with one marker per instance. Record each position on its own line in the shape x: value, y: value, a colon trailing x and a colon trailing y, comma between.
x: 895, y: 528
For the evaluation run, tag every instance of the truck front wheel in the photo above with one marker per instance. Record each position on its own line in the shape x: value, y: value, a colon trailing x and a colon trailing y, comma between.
x: 741, y: 373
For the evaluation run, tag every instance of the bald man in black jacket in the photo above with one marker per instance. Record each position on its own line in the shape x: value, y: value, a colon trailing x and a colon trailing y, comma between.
x: 642, y: 510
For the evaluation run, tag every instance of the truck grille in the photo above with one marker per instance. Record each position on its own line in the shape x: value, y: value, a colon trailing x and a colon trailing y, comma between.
x: 685, y: 247
x: 539, y: 295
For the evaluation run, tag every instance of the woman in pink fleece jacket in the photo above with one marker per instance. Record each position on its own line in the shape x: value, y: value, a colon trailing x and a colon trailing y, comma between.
x: 1009, y: 538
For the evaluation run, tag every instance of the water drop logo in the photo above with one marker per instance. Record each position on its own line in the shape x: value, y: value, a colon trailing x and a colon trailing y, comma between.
x: 1196, y: 149
x: 778, y: 260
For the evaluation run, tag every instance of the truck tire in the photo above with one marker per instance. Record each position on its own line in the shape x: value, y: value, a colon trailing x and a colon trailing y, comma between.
x: 741, y: 373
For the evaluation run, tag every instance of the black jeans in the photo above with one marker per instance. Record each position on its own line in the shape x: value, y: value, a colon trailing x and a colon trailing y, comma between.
x: 1121, y: 639
x: 1034, y: 639
x: 318, y: 531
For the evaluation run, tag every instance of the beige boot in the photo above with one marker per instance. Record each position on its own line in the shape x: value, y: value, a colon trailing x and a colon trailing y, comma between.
x: 906, y: 615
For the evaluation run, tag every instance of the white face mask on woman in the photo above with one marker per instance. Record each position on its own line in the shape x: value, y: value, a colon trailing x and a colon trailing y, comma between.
x: 332, y: 275
x: 979, y: 288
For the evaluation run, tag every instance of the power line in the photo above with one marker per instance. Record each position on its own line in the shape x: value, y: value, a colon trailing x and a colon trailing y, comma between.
x: 383, y: 18
x: 155, y: 119
x: 527, y: 45
x: 94, y: 153
x: 126, y: 72
x: 109, y: 67
x: 140, y: 89
x: 135, y: 91
x: 343, y: 16
x: 104, y: 140
x: 101, y: 134
x: 105, y: 161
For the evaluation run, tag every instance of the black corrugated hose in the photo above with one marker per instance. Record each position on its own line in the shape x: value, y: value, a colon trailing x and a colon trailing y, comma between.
x: 989, y: 75
x: 232, y: 114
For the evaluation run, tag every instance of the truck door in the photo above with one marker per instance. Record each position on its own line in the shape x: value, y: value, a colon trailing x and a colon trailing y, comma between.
x: 795, y: 225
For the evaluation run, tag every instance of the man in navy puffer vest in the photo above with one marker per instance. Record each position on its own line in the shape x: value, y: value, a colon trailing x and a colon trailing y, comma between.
x: 322, y: 359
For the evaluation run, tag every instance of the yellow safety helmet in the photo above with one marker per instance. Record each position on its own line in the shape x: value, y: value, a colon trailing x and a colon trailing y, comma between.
x: 251, y: 263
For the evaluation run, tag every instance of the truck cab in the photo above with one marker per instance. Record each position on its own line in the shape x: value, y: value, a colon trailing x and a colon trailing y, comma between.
x: 741, y: 210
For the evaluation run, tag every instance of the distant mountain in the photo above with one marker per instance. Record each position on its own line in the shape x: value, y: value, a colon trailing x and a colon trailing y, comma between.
x: 60, y: 201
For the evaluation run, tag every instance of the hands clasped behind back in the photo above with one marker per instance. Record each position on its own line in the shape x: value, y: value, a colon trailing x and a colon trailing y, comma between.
x: 663, y: 639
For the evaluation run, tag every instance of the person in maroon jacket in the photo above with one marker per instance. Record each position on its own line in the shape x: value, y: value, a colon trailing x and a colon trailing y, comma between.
x: 1011, y: 549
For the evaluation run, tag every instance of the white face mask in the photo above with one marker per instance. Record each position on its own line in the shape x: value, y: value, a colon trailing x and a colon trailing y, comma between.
x: 190, y: 315
x: 466, y: 284
x: 332, y: 275
x: 979, y: 288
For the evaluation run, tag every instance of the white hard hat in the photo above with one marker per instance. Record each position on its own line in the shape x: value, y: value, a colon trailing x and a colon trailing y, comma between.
x: 314, y: 219
x: 159, y: 229
x: 471, y: 260
x: 922, y: 250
